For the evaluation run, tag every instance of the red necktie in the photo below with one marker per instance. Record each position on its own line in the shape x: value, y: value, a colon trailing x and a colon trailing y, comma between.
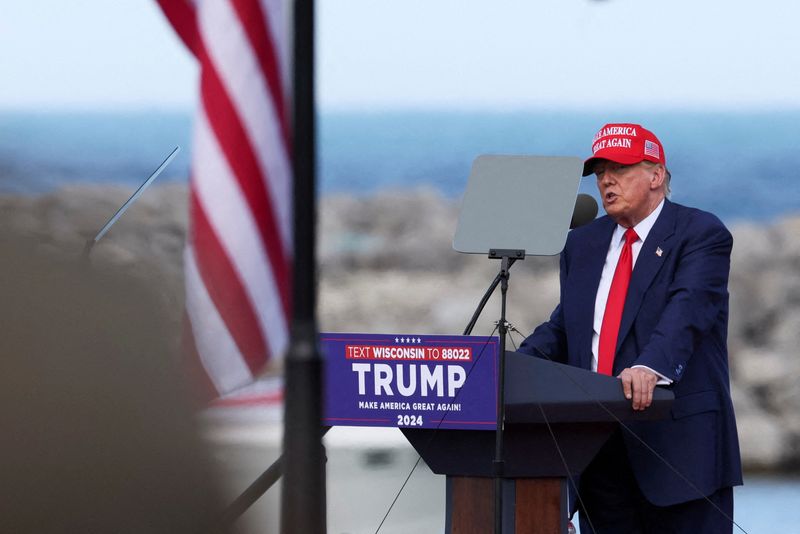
x: 616, y: 301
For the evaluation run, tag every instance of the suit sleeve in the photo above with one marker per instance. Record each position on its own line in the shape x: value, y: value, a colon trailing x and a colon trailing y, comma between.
x: 549, y: 339
x: 696, y: 303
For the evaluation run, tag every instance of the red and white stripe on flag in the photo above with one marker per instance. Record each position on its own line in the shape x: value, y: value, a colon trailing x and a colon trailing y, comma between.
x: 239, y: 248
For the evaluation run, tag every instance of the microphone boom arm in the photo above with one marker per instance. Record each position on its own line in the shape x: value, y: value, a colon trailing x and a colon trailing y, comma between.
x: 90, y: 243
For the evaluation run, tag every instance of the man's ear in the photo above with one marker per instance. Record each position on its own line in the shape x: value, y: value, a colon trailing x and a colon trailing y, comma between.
x: 658, y: 177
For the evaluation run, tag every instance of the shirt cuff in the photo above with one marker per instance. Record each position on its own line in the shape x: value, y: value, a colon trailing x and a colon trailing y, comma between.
x: 662, y: 380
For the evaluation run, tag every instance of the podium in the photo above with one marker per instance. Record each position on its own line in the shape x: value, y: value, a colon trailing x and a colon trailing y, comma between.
x: 582, y: 409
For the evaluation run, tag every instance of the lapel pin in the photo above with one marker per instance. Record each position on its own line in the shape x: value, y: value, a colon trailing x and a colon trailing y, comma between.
x: 659, y: 252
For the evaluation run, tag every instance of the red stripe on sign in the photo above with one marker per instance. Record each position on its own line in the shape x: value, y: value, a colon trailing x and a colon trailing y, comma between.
x: 487, y: 423
x: 408, y: 353
x: 239, y: 153
x: 356, y: 419
x: 226, y: 290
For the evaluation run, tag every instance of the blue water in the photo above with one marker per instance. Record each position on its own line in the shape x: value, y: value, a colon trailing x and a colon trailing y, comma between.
x: 740, y: 166
x: 39, y: 152
x: 768, y: 504
x: 765, y: 505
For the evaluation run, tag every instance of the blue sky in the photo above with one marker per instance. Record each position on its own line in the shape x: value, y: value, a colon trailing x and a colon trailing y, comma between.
x: 467, y: 54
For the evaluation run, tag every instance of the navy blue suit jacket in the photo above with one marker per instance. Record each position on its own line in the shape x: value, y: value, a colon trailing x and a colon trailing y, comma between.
x: 675, y: 321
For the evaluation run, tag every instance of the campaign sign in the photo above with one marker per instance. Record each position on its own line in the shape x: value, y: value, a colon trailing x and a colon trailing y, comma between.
x: 410, y: 380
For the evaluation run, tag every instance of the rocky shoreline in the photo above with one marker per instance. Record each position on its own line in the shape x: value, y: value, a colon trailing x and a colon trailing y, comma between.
x: 386, y: 265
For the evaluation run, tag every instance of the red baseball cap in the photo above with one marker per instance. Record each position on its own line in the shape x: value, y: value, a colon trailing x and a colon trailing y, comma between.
x: 626, y: 144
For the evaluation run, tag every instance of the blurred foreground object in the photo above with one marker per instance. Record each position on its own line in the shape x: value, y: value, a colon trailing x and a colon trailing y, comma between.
x: 99, y: 430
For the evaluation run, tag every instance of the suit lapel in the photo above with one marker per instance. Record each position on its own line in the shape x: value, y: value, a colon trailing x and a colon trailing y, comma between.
x: 654, y: 252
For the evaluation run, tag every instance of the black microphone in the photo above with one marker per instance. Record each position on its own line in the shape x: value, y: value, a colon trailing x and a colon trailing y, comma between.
x: 585, y: 210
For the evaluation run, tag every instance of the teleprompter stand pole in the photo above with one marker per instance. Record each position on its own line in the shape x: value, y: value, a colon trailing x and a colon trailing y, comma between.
x: 507, y: 258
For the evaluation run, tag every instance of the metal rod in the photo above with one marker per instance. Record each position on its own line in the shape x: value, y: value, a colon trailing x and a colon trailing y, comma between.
x: 501, y: 401
x: 106, y: 227
x: 253, y: 492
x: 256, y: 490
x: 485, y: 299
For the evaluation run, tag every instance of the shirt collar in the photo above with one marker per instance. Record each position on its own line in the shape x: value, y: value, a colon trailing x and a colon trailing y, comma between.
x: 644, y: 226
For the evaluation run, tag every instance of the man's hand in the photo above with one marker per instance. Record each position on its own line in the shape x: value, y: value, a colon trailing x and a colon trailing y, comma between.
x: 638, y: 384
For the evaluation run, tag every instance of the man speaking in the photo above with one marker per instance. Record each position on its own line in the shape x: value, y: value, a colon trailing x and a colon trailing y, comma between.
x: 644, y: 297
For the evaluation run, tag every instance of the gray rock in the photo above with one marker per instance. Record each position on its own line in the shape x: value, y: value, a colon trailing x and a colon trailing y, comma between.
x: 763, y: 440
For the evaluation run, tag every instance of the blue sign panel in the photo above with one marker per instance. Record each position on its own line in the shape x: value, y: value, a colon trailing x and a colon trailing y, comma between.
x: 406, y: 380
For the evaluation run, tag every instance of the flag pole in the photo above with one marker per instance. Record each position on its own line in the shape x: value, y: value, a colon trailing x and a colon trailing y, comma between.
x: 303, y: 507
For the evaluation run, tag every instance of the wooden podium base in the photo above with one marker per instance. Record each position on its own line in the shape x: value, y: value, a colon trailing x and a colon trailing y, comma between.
x: 530, y: 505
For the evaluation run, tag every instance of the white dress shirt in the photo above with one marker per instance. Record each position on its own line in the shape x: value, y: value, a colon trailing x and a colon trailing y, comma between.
x: 612, y: 257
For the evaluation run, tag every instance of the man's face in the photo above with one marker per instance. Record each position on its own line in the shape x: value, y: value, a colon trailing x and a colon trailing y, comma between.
x: 629, y: 192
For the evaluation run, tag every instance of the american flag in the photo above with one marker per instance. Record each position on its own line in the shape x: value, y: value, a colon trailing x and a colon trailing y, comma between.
x: 651, y: 149
x: 239, y: 247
